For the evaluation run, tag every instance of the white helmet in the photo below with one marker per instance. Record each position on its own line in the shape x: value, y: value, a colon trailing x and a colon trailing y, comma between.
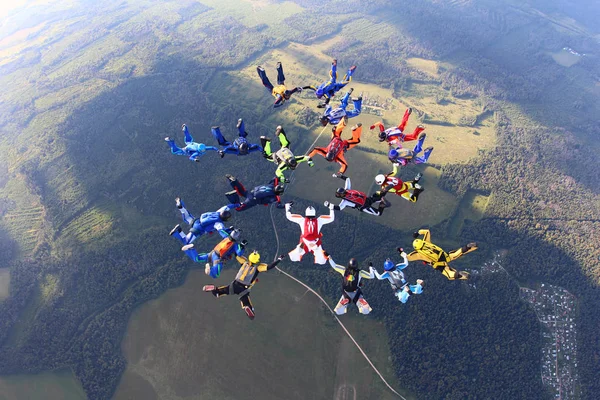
x: 379, y: 179
x: 310, y: 212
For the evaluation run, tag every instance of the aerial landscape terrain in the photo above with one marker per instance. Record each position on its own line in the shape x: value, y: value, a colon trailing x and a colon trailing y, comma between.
x: 97, y: 301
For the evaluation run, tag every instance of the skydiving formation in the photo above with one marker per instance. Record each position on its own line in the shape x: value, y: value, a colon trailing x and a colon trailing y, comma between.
x: 310, y: 236
x: 280, y: 92
x: 240, y: 145
x: 433, y: 255
x: 395, y: 136
x: 283, y: 158
x: 393, y: 273
x: 310, y: 241
x: 337, y: 148
x: 335, y: 115
x: 329, y: 88
x: 192, y: 149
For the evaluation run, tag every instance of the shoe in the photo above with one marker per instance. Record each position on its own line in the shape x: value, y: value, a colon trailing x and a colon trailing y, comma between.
x: 168, y: 139
x: 334, y: 62
x: 265, y: 138
x: 355, y: 127
x: 420, y: 126
x: 239, y: 123
x: 422, y: 136
x: 322, y: 105
x: 221, y: 153
x: 249, y: 312
x: 409, y: 110
x: 351, y: 90
x: 471, y: 245
x: 352, y: 68
x: 230, y: 177
x: 463, y: 275
x: 420, y: 282
x: 345, y: 301
x: 363, y: 302
x: 357, y: 98
x: 207, y: 269
x: 208, y: 288
x: 178, y: 203
x: 418, y: 187
x: 278, y: 64
x: 214, y: 127
x: 418, y: 177
x: 278, y: 130
x: 177, y: 229
x: 187, y: 247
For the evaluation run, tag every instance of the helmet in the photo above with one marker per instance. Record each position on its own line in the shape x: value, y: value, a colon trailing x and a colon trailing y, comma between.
x: 279, y: 189
x: 388, y: 265
x: 310, y: 212
x: 379, y: 179
x: 201, y: 147
x: 278, y: 100
x: 353, y: 264
x: 418, y: 244
x: 292, y: 163
x: 393, y: 154
x: 340, y: 192
x: 225, y: 215
x: 244, y: 147
x: 254, y: 257
x: 382, y: 136
x: 319, y: 92
x: 324, y: 120
x: 235, y: 235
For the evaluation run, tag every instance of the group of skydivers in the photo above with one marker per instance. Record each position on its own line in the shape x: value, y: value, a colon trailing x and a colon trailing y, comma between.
x: 241, y: 199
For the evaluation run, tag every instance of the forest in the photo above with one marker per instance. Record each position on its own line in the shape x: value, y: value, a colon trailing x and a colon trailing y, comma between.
x: 81, y: 130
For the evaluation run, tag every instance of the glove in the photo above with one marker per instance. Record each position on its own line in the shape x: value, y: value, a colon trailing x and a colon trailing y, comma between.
x: 370, y: 264
x: 291, y: 203
x: 311, y: 163
x: 299, y: 89
x: 196, y: 159
x: 286, y: 180
x: 415, y: 234
x: 400, y: 249
x: 372, y: 127
x: 244, y: 243
x: 281, y: 257
x: 326, y: 203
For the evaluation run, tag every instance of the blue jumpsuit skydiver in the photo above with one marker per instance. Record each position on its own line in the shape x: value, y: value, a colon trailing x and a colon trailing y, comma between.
x: 223, y: 251
x: 207, y: 223
x: 263, y: 194
x: 393, y: 273
x: 329, y: 88
x: 192, y: 149
x: 334, y: 116
x: 240, y: 146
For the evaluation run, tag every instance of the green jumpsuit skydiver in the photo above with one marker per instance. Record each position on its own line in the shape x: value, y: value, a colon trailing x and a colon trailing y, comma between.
x: 284, y: 158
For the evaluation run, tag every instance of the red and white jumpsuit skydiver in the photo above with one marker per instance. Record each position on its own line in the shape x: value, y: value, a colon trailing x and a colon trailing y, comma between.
x: 310, y: 237
x: 395, y: 136
x: 337, y: 148
x: 358, y: 200
x: 351, y: 291
x: 408, y: 190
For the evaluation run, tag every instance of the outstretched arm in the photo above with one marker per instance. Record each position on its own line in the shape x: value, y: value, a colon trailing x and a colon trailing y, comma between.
x: 426, y: 234
x: 298, y: 219
x: 338, y: 268
x: 368, y: 275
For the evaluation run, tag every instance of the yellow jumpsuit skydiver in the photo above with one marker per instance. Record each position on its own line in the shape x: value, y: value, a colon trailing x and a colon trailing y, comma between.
x: 437, y: 257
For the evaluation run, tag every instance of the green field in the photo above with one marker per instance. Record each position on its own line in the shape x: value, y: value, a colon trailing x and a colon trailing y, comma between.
x: 565, y: 58
x: 187, y: 344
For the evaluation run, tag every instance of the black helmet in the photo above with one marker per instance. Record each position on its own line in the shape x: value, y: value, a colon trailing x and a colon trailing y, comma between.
x: 382, y: 136
x: 279, y: 189
x: 292, y: 163
x: 324, y: 120
x: 353, y: 264
x: 225, y: 215
x: 340, y: 192
x: 244, y: 147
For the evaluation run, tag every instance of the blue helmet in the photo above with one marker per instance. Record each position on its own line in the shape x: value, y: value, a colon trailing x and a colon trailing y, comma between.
x: 393, y: 154
x: 320, y: 92
x: 388, y: 265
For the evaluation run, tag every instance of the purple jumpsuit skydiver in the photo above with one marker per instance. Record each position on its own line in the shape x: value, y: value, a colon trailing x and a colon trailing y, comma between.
x: 334, y: 116
x: 404, y: 156
x: 331, y: 87
x: 192, y: 149
x: 240, y: 146
x: 263, y: 194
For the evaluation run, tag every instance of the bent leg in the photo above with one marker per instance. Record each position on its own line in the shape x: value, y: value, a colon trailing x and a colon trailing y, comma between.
x: 344, y: 100
x: 241, y: 126
x: 462, y: 251
x: 317, y: 150
x: 416, y: 256
x: 265, y: 80
x: 296, y: 254
x: 280, y: 75
x: 222, y: 290
x: 357, y: 108
x: 216, y: 132
x: 254, y: 147
x: 186, y: 215
x: 343, y: 164
x: 186, y: 134
x: 415, y: 134
x: 423, y: 159
x: 378, y: 125
x: 405, y: 119
x: 174, y: 149
x: 419, y: 146
x: 320, y: 257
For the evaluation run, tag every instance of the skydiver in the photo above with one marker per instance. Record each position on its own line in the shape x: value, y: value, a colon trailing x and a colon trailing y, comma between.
x: 395, y: 136
x: 310, y: 237
x: 433, y: 255
x: 358, y: 200
x: 208, y: 222
x: 409, y: 190
x: 404, y: 156
x: 329, y: 88
x: 244, y: 280
x: 284, y: 158
x: 280, y: 92
x: 334, y: 115
x: 240, y: 146
x: 223, y: 251
x: 351, y: 286
x: 336, y: 149
x: 263, y: 194
x: 393, y: 273
x: 192, y: 149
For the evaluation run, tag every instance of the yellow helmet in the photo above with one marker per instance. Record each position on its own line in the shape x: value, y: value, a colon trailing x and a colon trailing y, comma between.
x: 418, y: 244
x: 254, y: 257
